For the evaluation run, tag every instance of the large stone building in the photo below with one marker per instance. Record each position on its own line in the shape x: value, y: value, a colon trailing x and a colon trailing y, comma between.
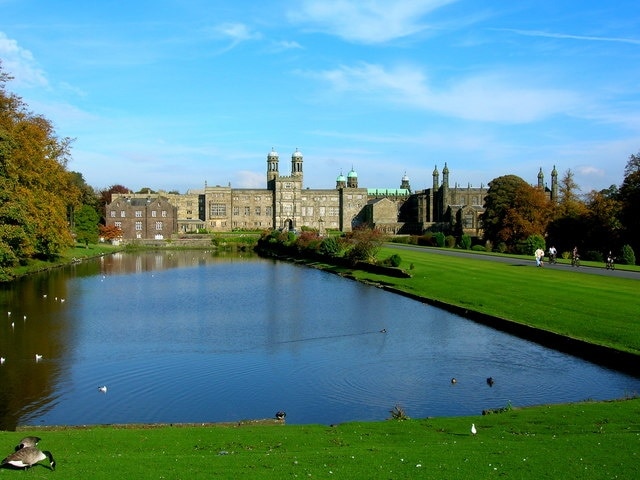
x: 286, y: 204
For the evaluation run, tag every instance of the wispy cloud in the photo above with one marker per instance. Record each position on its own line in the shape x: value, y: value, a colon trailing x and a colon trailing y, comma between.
x: 366, y: 21
x: 590, y: 38
x: 493, y: 97
x: 20, y: 63
x: 235, y: 33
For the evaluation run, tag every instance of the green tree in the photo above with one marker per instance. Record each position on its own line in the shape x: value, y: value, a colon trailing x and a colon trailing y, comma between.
x: 86, y: 224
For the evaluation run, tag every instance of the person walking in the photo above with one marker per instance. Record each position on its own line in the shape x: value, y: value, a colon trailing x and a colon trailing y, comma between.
x: 539, y: 254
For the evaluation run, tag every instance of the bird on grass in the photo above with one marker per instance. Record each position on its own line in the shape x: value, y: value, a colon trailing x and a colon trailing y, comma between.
x: 28, y: 442
x: 27, y: 457
x: 473, y: 429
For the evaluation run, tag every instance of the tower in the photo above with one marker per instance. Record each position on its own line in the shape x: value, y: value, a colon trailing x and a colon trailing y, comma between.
x: 554, y: 184
x: 405, y: 182
x: 296, y: 164
x: 352, y: 179
x: 541, y: 179
x: 341, y: 181
x: 272, y: 169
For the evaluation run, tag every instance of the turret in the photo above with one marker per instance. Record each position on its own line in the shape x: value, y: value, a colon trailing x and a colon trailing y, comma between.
x: 341, y: 181
x: 296, y: 164
x: 405, y: 182
x: 540, y: 179
x: 272, y: 168
x: 554, y: 184
x: 352, y: 179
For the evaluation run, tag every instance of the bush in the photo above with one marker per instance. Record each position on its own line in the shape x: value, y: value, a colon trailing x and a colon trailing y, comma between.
x: 501, y: 248
x: 628, y: 257
x: 593, y: 255
x: 533, y: 243
x: 450, y: 241
x: 439, y: 239
x: 427, y: 240
x: 329, y: 247
x: 395, y: 260
x: 465, y: 242
x: 479, y: 248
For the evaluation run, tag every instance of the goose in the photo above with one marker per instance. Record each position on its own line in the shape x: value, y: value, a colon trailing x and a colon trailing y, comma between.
x: 28, y: 442
x: 2, y: 360
x: 38, y: 357
x: 27, y: 457
x: 103, y: 389
x: 473, y: 429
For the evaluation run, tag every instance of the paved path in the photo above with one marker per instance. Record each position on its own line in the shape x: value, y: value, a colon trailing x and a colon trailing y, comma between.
x: 562, y: 263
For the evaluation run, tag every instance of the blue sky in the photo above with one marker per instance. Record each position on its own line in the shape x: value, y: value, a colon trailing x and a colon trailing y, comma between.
x: 170, y: 94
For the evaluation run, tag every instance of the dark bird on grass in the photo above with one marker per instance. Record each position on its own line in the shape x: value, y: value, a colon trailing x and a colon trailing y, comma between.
x: 281, y: 415
x: 490, y: 381
x: 27, y: 457
x: 28, y: 442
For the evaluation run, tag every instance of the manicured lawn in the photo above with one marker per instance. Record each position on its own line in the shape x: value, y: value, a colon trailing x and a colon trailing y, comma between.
x: 578, y: 441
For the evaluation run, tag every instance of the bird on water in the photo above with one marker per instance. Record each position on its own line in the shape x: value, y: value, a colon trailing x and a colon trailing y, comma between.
x: 27, y: 457
x: 281, y: 415
x: 28, y: 442
x: 490, y: 381
x: 103, y: 389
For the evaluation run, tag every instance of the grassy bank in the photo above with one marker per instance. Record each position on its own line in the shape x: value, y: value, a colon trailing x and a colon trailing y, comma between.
x: 579, y: 441
x: 600, y: 310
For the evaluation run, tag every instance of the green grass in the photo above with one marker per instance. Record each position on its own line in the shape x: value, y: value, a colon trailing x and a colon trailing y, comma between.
x: 577, y: 441
x: 600, y: 310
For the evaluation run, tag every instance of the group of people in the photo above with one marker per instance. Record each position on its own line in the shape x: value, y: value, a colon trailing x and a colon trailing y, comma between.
x: 539, y: 256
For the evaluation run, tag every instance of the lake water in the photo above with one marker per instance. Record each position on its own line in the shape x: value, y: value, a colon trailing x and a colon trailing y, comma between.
x: 195, y: 337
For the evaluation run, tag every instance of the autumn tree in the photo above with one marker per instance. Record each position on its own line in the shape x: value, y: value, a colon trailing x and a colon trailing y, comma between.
x: 529, y: 214
x: 36, y: 190
x: 498, y: 202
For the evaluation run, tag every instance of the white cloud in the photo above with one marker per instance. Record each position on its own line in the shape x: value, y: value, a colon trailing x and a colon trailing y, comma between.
x: 20, y: 64
x: 496, y: 97
x: 568, y: 36
x: 236, y: 33
x: 366, y: 21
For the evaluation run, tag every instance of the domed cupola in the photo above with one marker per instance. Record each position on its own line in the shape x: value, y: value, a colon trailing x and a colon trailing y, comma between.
x: 296, y: 163
x: 405, y: 182
x: 352, y: 179
x: 341, y: 181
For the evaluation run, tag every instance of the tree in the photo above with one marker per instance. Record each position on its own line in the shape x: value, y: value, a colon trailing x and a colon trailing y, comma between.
x: 86, y: 225
x: 529, y: 214
x: 109, y: 232
x: 37, y: 191
x: 603, y: 220
x: 630, y: 202
x: 365, y: 243
x: 570, y: 225
x: 497, y: 204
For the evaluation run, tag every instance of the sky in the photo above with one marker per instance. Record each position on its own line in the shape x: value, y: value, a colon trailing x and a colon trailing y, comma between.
x: 176, y: 94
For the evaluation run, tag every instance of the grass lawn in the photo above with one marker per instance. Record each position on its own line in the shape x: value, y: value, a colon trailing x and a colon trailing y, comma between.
x: 576, y: 441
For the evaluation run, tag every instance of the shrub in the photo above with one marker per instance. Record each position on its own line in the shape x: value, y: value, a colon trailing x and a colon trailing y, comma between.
x: 395, y: 260
x: 501, y: 248
x: 593, y: 255
x: 533, y: 243
x: 330, y: 247
x: 439, y: 239
x: 488, y: 246
x: 628, y: 257
x: 427, y: 240
x: 450, y: 241
x: 465, y: 242
x: 479, y: 248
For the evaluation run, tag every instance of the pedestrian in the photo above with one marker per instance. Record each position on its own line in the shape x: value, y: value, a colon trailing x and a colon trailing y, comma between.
x: 539, y: 254
x: 552, y: 254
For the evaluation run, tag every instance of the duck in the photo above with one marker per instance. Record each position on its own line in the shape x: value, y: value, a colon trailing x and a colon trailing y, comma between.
x: 28, y: 442
x: 27, y: 457
x: 38, y: 357
x: 454, y: 381
x: 103, y: 389
x: 490, y: 381
x: 2, y: 360
x: 281, y: 415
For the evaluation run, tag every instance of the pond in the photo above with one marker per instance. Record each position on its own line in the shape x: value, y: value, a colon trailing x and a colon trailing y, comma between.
x: 197, y: 337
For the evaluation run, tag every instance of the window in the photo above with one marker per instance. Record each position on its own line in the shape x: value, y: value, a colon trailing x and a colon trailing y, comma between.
x: 123, y: 213
x: 257, y: 210
x: 138, y: 226
x: 218, y: 210
x: 158, y: 225
x: 117, y: 225
x: 154, y: 214
x: 113, y: 213
x: 236, y: 211
x: 247, y: 211
x: 267, y: 211
x: 138, y: 213
x: 164, y: 213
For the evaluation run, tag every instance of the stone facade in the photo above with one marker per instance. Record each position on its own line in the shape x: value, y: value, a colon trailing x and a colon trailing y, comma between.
x: 286, y: 204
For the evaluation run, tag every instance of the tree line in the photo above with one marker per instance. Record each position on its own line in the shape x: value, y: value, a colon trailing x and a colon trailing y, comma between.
x: 45, y: 208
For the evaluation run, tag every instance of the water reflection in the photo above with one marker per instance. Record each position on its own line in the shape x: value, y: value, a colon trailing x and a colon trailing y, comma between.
x: 194, y: 337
